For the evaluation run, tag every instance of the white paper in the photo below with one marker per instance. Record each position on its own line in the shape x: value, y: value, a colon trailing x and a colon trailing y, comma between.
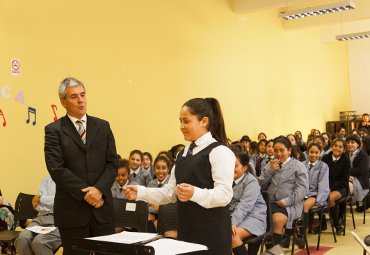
x: 41, y: 230
x: 125, y: 237
x: 131, y: 207
x: 166, y: 246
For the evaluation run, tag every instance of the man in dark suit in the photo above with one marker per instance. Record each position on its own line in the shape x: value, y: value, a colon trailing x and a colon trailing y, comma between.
x: 80, y: 155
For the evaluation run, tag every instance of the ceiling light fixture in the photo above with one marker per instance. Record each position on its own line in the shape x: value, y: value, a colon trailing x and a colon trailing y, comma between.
x: 353, y: 36
x: 318, y: 10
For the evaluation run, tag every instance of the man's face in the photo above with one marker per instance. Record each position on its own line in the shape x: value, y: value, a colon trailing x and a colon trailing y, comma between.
x: 75, y: 101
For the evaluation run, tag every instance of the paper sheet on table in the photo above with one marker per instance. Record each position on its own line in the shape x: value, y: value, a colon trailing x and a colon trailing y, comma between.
x: 41, y: 230
x: 125, y: 237
x: 166, y: 246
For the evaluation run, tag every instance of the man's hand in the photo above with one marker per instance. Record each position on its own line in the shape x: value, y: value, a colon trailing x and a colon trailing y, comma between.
x: 281, y: 203
x: 93, y: 196
x: 35, y: 201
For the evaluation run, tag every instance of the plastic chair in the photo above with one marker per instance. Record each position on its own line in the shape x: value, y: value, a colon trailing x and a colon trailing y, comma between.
x: 23, y: 211
x: 132, y: 214
x: 167, y: 218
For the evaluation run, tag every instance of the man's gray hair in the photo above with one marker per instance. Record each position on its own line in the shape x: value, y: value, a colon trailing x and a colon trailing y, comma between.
x: 67, y: 83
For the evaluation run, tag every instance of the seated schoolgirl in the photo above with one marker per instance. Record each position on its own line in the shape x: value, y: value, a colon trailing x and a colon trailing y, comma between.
x: 247, y: 207
x: 318, y: 192
x: 286, y: 180
x: 256, y: 159
x: 269, y: 154
x: 162, y: 168
x: 137, y: 174
x: 122, y: 180
x: 339, y: 166
x: 359, y: 171
x: 147, y: 163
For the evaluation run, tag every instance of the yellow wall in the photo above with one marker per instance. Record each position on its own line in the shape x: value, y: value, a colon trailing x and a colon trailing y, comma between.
x: 140, y: 60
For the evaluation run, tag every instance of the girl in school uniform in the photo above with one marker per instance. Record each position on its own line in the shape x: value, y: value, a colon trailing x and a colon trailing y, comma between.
x: 122, y: 180
x: 147, y: 164
x: 162, y: 168
x: 137, y: 174
x: 261, y: 136
x: 286, y: 180
x: 269, y: 154
x: 247, y: 207
x: 318, y: 192
x: 256, y: 159
x: 359, y: 171
x: 201, y: 180
x: 339, y: 166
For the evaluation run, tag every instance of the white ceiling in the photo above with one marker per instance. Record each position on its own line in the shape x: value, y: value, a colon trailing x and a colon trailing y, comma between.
x: 353, y: 21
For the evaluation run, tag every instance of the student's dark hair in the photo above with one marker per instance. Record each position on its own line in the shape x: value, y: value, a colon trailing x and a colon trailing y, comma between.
x: 297, y: 153
x: 253, y: 146
x: 119, y: 156
x: 137, y: 152
x: 262, y: 134
x: 175, y: 149
x: 314, y: 144
x: 261, y: 141
x: 210, y: 108
x: 319, y: 137
x: 270, y: 141
x: 364, y: 130
x: 366, y: 144
x: 245, y: 138
x: 341, y: 141
x: 365, y: 114
x: 123, y: 163
x: 341, y: 128
x: 354, y: 130
x: 165, y: 159
x: 283, y: 140
x: 237, y: 148
x: 355, y: 138
x: 165, y: 153
x: 148, y: 155
x: 244, y: 160
x: 294, y: 136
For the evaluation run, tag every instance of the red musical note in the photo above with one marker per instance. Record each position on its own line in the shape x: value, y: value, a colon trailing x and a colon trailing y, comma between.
x: 4, y: 120
x: 54, y: 108
x: 33, y: 111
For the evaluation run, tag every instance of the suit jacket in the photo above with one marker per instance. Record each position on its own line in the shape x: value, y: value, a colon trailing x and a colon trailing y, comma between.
x: 74, y: 165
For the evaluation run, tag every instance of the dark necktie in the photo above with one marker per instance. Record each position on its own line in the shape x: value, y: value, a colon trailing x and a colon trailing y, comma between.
x: 120, y: 189
x: 234, y: 183
x: 160, y: 185
x: 268, y: 159
x: 134, y: 174
x: 191, y: 147
x: 310, y: 167
x: 81, y: 131
x: 280, y: 165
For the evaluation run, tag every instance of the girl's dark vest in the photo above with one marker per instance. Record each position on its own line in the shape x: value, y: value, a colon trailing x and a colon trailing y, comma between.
x: 210, y: 227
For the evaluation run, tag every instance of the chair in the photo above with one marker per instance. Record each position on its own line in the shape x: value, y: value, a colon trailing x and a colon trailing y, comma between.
x: 348, y: 201
x: 364, y: 203
x: 23, y: 211
x: 255, y: 241
x: 167, y: 218
x: 133, y: 214
x: 298, y: 224
x: 321, y: 211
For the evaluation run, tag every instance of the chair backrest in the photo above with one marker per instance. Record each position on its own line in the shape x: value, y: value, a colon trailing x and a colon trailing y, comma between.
x: 269, y: 229
x: 23, y: 207
x: 133, y: 214
x: 167, y: 218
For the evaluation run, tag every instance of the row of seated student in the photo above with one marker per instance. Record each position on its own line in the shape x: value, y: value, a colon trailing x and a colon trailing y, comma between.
x: 296, y: 188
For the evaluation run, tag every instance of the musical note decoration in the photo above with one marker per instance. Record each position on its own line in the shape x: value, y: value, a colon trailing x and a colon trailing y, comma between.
x: 4, y: 120
x: 20, y: 97
x: 32, y: 111
x: 54, y: 108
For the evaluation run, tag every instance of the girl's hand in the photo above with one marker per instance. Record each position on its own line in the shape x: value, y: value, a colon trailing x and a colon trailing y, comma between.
x: 351, y: 179
x: 130, y: 192
x: 155, y: 207
x: 184, y: 192
x: 233, y: 229
x: 274, y: 164
x: 281, y: 203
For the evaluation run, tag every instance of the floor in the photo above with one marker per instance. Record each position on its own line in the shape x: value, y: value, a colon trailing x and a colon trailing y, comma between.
x: 345, y: 245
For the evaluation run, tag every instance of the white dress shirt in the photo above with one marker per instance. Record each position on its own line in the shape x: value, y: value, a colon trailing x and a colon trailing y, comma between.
x: 47, y: 194
x: 222, y: 161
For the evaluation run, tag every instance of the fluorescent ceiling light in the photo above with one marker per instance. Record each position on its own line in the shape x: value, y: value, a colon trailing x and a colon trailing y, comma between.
x: 318, y: 10
x: 353, y: 36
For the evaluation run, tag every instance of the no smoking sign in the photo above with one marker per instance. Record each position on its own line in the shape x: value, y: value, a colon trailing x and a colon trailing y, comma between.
x: 15, y: 65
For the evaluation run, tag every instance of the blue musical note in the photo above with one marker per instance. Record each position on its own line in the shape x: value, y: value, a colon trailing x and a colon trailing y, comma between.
x: 33, y: 111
